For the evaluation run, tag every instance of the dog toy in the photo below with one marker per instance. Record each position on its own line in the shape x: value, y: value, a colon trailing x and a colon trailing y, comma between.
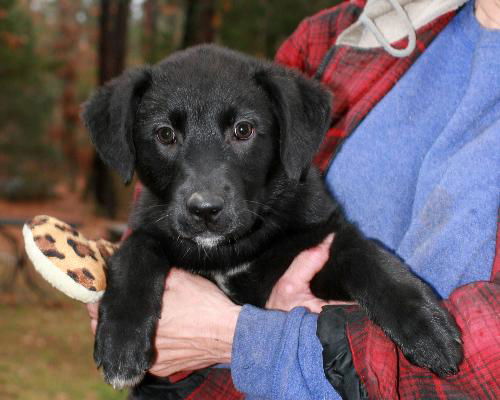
x: 66, y: 259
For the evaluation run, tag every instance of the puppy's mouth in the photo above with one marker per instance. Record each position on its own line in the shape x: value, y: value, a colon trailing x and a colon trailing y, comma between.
x: 211, y: 239
x: 208, y: 240
x: 225, y: 231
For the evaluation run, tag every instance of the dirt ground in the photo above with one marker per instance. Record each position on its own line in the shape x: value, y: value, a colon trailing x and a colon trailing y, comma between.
x: 45, y: 338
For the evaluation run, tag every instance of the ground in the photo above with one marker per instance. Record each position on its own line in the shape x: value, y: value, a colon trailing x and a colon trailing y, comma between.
x: 45, y: 340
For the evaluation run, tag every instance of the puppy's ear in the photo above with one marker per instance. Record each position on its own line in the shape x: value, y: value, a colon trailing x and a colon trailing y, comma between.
x: 109, y: 116
x: 302, y: 107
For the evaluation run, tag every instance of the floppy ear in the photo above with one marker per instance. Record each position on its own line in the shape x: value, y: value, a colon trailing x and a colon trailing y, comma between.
x: 109, y: 116
x: 302, y: 107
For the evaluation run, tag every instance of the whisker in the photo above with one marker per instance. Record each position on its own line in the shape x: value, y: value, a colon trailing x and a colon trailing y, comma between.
x: 151, y: 207
x: 204, y: 250
x: 267, y: 220
x: 188, y: 249
x: 267, y: 207
x: 164, y: 216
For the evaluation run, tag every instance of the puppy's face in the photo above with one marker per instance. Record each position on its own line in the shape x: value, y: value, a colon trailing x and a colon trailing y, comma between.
x: 206, y: 146
x: 207, y: 131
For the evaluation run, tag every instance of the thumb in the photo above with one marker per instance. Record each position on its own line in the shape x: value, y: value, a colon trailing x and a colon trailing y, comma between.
x: 93, y: 310
x: 309, y: 262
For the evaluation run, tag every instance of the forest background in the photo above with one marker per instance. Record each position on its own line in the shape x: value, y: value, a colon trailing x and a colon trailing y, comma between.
x: 53, y: 54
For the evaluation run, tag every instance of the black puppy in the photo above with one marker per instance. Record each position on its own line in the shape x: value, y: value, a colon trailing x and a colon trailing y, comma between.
x: 223, y: 144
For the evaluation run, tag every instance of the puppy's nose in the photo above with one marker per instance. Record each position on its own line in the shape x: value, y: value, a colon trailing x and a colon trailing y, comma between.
x: 205, y: 205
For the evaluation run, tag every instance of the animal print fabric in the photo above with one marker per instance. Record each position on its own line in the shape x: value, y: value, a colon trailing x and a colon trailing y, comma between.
x: 81, y: 259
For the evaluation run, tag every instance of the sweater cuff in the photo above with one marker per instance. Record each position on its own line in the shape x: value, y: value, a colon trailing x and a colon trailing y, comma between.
x: 257, y: 348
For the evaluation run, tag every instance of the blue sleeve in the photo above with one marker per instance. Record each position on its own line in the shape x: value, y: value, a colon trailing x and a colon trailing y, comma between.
x: 277, y: 355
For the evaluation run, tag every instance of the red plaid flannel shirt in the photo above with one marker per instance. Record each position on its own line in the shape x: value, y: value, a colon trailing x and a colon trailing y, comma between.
x: 358, y: 80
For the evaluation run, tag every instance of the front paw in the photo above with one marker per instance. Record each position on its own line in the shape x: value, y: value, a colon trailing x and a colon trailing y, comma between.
x: 123, y: 351
x: 426, y: 333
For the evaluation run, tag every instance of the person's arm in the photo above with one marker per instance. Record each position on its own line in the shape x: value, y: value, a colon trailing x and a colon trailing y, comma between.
x: 273, y: 354
x: 198, y: 324
x: 384, y: 373
x: 276, y: 355
x: 450, y: 240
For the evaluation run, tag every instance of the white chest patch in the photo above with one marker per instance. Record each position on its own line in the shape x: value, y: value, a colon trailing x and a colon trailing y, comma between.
x: 222, y: 278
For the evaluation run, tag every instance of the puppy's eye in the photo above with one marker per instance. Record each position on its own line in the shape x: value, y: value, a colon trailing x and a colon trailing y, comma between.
x: 165, y: 135
x: 243, y: 130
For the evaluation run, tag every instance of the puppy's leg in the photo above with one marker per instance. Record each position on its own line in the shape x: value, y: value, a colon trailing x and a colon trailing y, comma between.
x: 129, y: 310
x: 402, y: 305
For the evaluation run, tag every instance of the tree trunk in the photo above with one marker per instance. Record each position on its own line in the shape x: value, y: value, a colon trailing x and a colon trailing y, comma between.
x: 67, y: 54
x: 150, y: 32
x: 113, y: 23
x: 200, y: 22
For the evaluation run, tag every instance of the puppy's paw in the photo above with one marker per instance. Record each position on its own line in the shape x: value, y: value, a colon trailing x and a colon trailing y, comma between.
x: 427, y: 335
x: 123, y: 353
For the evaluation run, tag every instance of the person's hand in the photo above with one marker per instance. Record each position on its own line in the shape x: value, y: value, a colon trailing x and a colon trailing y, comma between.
x: 93, y: 309
x: 292, y: 290
x: 196, y: 326
x: 197, y: 322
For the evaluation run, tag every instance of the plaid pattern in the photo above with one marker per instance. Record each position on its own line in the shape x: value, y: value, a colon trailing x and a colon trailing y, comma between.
x: 358, y: 80
x: 386, y: 374
x: 217, y: 386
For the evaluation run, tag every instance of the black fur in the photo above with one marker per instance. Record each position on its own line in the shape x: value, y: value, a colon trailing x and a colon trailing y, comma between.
x: 271, y: 204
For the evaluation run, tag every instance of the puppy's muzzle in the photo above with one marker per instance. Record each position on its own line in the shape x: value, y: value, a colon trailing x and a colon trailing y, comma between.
x: 205, y: 206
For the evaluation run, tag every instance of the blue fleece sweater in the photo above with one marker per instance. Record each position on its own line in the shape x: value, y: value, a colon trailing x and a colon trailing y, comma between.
x: 421, y: 174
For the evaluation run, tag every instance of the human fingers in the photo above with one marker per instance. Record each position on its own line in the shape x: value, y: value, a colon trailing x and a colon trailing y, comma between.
x: 340, y: 303
x: 93, y: 325
x: 309, y: 262
x: 93, y: 310
x: 164, y: 370
x: 315, y: 305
